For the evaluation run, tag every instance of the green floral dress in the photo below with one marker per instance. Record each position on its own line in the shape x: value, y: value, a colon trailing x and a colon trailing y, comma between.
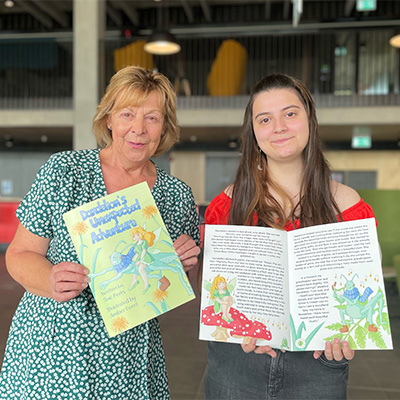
x: 62, y: 350
x: 148, y: 258
x: 216, y: 293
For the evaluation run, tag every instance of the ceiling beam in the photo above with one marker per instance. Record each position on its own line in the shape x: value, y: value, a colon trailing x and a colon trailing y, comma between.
x: 286, y: 10
x: 349, y: 6
x: 188, y: 11
x: 36, y: 13
x: 263, y: 29
x: 206, y: 10
x: 114, y: 14
x: 57, y: 15
x: 129, y: 10
x: 267, y: 10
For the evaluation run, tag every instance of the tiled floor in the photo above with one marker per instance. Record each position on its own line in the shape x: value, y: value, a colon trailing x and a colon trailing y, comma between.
x: 374, y: 375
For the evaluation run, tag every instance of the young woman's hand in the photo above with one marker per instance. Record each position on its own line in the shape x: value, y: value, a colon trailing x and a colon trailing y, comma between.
x: 333, y: 351
x: 187, y: 251
x: 249, y: 347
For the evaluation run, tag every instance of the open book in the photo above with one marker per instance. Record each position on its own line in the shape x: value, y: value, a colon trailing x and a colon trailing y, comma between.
x: 295, y: 290
x: 135, y: 272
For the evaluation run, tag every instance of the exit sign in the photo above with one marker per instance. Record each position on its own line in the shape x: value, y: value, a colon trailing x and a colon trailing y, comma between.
x: 361, y: 142
x: 366, y: 5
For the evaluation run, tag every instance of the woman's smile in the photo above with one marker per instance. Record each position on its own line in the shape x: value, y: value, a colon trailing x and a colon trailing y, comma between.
x: 282, y: 140
x: 136, y: 145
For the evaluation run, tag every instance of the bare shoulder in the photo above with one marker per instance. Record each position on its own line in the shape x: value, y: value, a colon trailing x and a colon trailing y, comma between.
x: 229, y: 190
x: 344, y: 196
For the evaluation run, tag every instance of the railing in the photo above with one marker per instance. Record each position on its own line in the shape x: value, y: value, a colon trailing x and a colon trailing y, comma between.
x: 35, y: 74
x: 345, y: 68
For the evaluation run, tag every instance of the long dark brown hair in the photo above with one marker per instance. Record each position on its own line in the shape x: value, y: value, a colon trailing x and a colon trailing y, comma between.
x: 251, y: 191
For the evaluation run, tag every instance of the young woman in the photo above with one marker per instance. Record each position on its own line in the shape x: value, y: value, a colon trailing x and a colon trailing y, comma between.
x: 283, y: 181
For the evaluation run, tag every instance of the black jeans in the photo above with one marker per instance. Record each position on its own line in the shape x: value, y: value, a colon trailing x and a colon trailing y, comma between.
x: 233, y: 374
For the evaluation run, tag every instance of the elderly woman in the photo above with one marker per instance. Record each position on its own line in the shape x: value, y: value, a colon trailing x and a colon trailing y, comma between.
x: 58, y: 347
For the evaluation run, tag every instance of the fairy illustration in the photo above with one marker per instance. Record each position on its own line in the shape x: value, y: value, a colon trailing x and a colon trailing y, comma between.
x: 144, y: 259
x: 227, y: 320
x: 142, y: 240
x: 222, y: 298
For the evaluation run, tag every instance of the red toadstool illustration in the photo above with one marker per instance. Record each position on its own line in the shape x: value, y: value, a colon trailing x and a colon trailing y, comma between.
x: 255, y: 330
x: 240, y: 327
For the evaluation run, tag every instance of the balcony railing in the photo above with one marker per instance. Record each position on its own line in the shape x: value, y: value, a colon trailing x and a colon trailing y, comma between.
x: 346, y: 68
x: 35, y: 74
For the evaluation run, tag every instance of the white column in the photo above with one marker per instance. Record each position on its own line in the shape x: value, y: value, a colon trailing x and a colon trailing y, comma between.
x: 89, y: 25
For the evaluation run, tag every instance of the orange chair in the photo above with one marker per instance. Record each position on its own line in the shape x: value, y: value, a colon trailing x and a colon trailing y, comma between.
x: 133, y: 54
x: 228, y: 70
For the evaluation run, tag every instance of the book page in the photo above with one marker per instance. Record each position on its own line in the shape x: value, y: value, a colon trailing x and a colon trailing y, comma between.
x: 244, y: 285
x: 337, y: 287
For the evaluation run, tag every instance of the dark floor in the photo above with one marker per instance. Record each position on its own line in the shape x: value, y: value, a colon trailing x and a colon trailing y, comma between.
x: 374, y: 375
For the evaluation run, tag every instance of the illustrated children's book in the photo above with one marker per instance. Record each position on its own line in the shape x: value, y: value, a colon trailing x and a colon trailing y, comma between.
x: 295, y: 290
x: 135, y: 272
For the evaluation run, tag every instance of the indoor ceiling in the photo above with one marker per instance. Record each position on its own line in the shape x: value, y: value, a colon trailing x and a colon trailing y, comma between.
x: 142, y: 15
x: 194, y: 17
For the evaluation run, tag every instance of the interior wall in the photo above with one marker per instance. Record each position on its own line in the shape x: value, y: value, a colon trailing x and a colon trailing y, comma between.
x: 18, y: 171
x: 386, y: 163
x: 190, y: 167
x: 386, y: 206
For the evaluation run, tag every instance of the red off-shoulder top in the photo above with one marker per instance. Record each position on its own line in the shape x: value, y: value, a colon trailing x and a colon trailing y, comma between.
x: 217, y: 212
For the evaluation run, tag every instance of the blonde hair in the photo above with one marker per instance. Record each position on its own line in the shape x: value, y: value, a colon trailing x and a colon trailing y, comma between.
x: 144, y: 235
x: 214, y: 286
x: 132, y: 86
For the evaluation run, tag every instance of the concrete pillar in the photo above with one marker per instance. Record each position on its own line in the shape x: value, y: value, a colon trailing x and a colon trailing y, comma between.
x: 89, y: 26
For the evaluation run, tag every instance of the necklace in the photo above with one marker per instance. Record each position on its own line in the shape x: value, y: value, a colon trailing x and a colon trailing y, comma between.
x: 291, y: 201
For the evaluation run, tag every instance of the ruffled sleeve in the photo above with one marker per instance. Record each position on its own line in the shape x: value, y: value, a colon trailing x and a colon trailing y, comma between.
x: 217, y: 212
x: 359, y: 210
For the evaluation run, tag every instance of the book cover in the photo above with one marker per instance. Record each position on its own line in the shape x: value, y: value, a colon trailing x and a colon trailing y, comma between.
x: 295, y: 290
x: 135, y: 272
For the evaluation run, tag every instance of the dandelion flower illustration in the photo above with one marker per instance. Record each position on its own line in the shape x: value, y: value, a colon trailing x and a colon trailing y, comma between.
x: 149, y: 211
x: 119, y: 324
x: 160, y: 295
x: 300, y: 343
x: 79, y: 228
